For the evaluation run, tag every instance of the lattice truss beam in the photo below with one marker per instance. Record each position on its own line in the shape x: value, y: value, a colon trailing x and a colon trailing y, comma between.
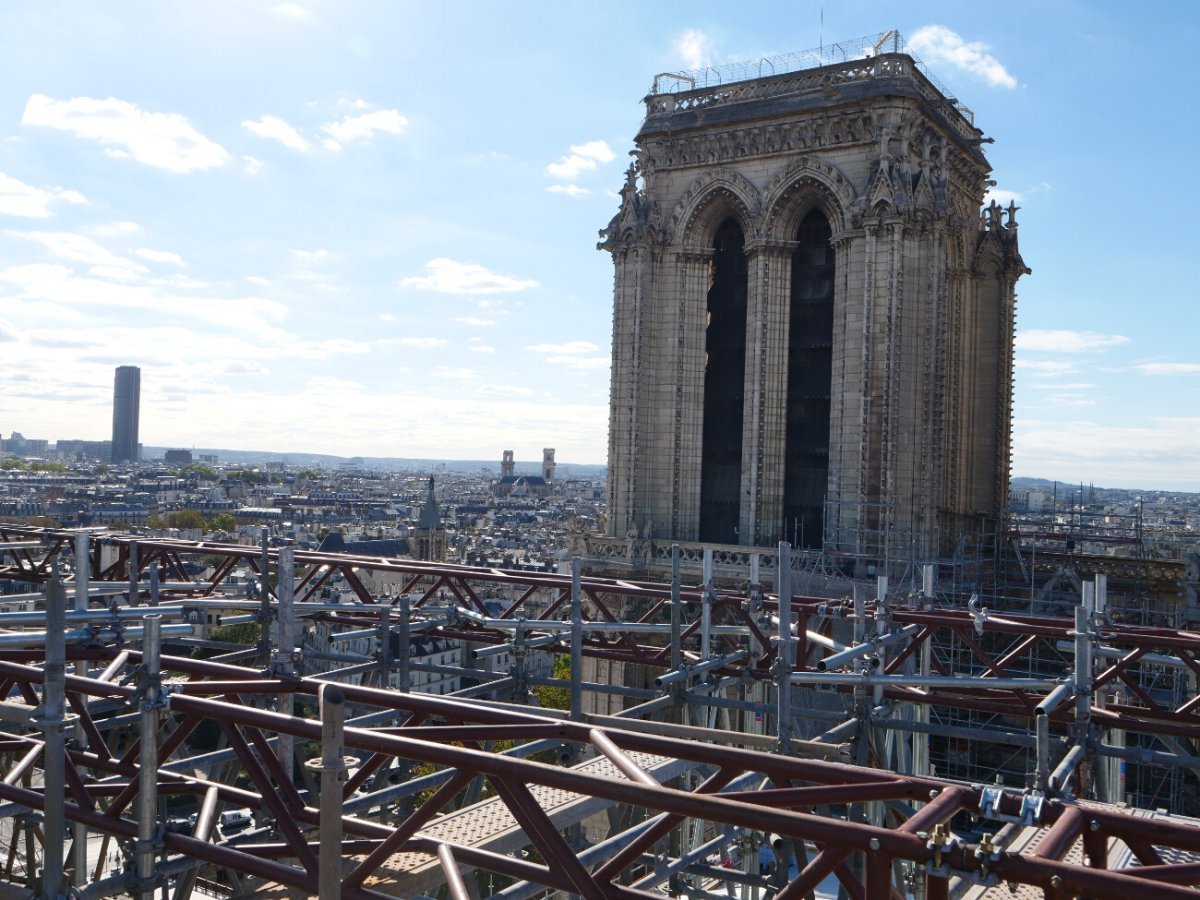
x: 873, y: 831
x: 738, y: 791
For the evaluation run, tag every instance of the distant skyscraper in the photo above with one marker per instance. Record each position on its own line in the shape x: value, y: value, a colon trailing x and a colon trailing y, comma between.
x: 127, y: 393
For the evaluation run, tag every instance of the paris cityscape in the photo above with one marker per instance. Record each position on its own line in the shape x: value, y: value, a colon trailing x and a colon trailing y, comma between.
x: 792, y: 507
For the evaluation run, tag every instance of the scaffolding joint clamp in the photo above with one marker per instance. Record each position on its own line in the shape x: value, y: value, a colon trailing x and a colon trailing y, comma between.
x: 990, y: 800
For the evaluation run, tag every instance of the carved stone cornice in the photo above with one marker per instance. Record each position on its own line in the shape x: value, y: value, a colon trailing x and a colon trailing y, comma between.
x: 785, y: 138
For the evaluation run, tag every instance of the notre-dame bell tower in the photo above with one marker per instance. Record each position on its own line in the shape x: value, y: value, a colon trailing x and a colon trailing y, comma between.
x: 813, y: 319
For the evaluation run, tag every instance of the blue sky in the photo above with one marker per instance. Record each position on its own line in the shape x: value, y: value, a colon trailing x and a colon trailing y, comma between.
x: 369, y: 228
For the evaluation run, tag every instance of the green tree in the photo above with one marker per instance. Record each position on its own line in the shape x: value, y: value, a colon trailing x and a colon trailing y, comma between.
x: 222, y: 522
x: 250, y: 476
x: 247, y: 633
x: 12, y: 465
x: 183, y: 518
x: 207, y: 473
x: 44, y: 465
x: 556, y: 697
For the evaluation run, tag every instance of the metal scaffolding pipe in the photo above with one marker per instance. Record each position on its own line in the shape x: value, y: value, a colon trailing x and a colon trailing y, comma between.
x: 404, y: 642
x: 1042, y: 774
x: 676, y: 611
x: 1083, y: 657
x: 1146, y: 755
x: 456, y: 888
x: 530, y: 644
x: 74, y: 616
x: 867, y: 648
x: 1106, y: 652
x: 939, y: 681
x: 1070, y: 762
x: 17, y: 639
x: 1054, y: 699
x: 706, y: 604
x: 206, y: 819
x: 331, y: 700
x: 134, y: 587
x: 576, y: 641
x: 54, y: 762
x: 83, y: 568
x: 996, y: 736
x: 785, y: 662
x: 685, y: 672
x: 147, y: 797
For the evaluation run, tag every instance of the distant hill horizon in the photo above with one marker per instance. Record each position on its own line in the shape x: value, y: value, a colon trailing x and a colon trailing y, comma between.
x: 1028, y: 483
x: 528, y: 467
x: 384, y: 463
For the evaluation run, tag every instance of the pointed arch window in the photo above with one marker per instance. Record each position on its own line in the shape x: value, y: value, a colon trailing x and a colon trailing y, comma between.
x: 810, y: 358
x: 724, y: 388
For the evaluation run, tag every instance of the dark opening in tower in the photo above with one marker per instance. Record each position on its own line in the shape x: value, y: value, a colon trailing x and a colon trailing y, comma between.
x: 724, y: 389
x: 810, y: 346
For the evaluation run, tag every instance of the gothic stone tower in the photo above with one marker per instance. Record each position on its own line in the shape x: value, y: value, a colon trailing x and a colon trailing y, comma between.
x: 813, y: 323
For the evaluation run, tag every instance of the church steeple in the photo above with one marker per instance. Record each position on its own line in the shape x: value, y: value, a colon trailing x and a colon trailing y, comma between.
x: 430, y: 535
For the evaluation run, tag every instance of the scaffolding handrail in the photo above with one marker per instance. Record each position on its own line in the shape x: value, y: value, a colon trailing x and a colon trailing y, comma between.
x: 840, y: 52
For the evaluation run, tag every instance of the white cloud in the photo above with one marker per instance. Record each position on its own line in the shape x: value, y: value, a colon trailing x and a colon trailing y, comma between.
x: 1063, y: 341
x: 292, y: 11
x: 363, y: 127
x: 937, y: 45
x: 455, y: 374
x: 258, y: 280
x: 475, y: 321
x: 81, y: 249
x: 163, y: 140
x: 1046, y: 366
x: 572, y: 355
x: 1163, y: 451
x: 20, y: 199
x: 253, y: 165
x: 481, y: 348
x: 162, y: 256
x: 244, y: 367
x: 61, y: 290
x: 1058, y: 386
x: 580, y: 362
x: 694, y: 48
x: 309, y: 257
x: 571, y: 190
x: 425, y: 343
x: 446, y: 276
x: 1076, y: 400
x: 570, y: 347
x: 276, y: 129
x: 582, y: 158
x: 1003, y: 197
x: 177, y: 280
x: 1168, y: 368
x: 332, y: 347
x: 115, y: 229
